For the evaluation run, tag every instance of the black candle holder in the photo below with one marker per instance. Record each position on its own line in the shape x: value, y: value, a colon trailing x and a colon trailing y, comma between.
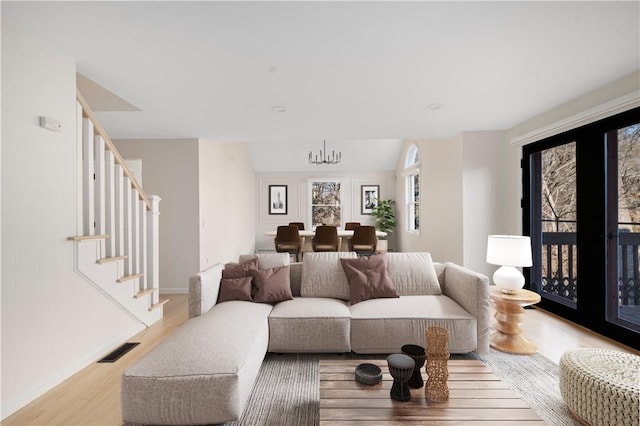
x: 401, y: 369
x: 418, y: 355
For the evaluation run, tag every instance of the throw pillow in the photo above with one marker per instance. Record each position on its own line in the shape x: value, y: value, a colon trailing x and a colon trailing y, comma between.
x: 239, y: 271
x: 368, y: 278
x: 323, y: 276
x: 271, y: 285
x: 413, y: 273
x: 235, y: 289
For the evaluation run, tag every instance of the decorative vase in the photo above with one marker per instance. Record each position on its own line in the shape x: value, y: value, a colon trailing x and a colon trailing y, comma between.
x: 401, y: 369
x: 418, y: 355
x: 436, y: 389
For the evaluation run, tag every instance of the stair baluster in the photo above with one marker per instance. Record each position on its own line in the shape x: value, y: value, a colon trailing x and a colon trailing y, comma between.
x: 119, y: 224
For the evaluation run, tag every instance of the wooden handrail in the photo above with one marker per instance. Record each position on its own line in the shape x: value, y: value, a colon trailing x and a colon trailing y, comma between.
x: 99, y: 130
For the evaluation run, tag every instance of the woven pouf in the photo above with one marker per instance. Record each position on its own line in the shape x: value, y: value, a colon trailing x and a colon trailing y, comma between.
x: 601, y: 387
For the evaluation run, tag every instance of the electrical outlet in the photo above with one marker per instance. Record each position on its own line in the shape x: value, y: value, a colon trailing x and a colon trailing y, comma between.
x: 51, y: 124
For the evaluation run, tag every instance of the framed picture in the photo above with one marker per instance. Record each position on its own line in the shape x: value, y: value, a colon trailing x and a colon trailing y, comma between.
x: 368, y: 198
x: 277, y: 199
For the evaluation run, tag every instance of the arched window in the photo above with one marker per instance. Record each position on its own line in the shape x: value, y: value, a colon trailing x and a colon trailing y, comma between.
x: 412, y: 183
x: 413, y: 156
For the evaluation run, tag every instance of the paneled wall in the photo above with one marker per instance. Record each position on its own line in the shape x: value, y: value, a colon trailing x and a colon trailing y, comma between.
x: 299, y: 199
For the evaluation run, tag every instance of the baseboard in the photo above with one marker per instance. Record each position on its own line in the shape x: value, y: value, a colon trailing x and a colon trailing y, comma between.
x: 10, y: 407
x: 174, y: 290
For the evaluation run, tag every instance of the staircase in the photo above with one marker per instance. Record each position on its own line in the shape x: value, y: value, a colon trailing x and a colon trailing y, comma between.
x: 117, y: 237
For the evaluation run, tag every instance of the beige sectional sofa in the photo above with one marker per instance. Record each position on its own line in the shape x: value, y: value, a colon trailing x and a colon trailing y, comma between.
x: 205, y: 371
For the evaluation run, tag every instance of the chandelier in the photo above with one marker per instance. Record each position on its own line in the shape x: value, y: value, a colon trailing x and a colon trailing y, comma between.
x: 324, y: 158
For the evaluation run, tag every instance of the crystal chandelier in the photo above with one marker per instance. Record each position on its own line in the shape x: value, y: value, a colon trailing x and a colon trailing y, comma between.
x: 324, y: 158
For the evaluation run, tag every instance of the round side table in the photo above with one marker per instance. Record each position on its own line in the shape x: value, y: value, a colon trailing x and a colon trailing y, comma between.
x: 509, y: 315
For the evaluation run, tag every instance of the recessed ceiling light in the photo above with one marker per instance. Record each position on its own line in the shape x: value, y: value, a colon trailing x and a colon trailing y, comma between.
x: 433, y: 107
x: 279, y: 108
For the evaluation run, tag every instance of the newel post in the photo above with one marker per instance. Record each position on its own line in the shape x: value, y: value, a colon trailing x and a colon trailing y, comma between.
x: 153, y: 254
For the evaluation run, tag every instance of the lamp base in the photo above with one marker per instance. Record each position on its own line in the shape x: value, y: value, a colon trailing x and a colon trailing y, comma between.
x: 508, y: 279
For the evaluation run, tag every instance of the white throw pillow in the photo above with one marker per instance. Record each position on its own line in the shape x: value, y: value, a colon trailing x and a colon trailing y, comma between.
x: 413, y: 273
x: 323, y: 276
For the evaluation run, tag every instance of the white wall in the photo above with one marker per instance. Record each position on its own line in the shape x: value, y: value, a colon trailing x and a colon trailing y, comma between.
x: 170, y: 168
x: 53, y: 322
x: 486, y: 180
x: 299, y: 201
x: 440, y: 200
x: 227, y: 202
x: 465, y: 186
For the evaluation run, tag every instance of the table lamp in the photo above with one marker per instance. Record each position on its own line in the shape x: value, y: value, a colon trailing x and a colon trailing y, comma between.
x: 509, y: 251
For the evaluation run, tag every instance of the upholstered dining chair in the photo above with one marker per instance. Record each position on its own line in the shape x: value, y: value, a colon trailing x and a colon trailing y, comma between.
x: 326, y: 239
x: 288, y: 240
x: 300, y: 225
x: 350, y: 226
x: 364, y: 241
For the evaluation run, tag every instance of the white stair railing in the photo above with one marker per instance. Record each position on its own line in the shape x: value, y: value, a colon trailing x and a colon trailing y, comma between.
x: 116, y: 211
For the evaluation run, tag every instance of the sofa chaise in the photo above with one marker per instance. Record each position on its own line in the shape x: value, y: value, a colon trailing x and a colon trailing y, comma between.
x: 205, y: 371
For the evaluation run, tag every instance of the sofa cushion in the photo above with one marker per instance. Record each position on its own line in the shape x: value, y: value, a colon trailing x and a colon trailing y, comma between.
x: 384, y: 325
x: 368, y: 278
x: 204, y: 372
x: 413, y: 273
x: 271, y: 285
x: 308, y: 324
x: 323, y: 276
x: 267, y: 260
x: 235, y: 289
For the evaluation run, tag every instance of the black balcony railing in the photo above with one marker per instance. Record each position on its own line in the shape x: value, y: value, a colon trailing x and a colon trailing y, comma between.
x: 559, y: 266
x: 629, y: 276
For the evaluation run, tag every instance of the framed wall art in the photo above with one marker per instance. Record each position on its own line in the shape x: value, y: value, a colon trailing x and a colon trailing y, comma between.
x: 368, y: 198
x: 277, y: 199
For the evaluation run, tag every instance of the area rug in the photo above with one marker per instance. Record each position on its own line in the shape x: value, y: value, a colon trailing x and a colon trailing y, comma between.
x: 286, y: 392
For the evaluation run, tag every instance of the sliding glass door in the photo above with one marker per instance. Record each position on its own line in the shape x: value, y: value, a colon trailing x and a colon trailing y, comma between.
x: 624, y: 226
x: 582, y: 210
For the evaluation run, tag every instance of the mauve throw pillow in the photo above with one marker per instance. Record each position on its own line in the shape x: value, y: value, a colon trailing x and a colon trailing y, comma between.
x: 239, y: 271
x: 368, y: 278
x: 271, y: 285
x: 235, y: 289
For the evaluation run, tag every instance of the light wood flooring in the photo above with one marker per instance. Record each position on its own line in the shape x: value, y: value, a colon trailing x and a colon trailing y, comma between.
x: 92, y: 396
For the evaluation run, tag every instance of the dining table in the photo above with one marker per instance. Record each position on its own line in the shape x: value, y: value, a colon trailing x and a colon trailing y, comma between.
x: 343, y: 235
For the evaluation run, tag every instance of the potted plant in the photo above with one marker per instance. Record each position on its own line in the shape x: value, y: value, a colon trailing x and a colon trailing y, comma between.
x: 385, y: 220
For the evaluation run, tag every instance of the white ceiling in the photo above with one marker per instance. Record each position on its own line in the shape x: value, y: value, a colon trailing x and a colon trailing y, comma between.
x: 344, y: 71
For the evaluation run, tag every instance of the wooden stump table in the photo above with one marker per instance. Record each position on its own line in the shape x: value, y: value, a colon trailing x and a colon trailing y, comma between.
x: 509, y: 315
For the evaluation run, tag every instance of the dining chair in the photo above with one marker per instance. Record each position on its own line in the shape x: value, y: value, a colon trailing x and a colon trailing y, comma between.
x: 350, y: 226
x: 364, y: 241
x: 288, y: 240
x: 326, y: 239
x: 300, y: 225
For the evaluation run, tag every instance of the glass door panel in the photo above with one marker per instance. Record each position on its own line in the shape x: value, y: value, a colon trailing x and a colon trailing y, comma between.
x: 624, y: 231
x: 557, y: 224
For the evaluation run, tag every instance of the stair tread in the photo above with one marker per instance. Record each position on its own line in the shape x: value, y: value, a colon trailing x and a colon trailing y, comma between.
x: 158, y: 305
x: 142, y: 293
x: 110, y: 259
x: 129, y: 277
x: 88, y: 237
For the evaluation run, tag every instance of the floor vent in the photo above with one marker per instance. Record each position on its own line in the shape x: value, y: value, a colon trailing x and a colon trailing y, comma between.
x: 118, y: 352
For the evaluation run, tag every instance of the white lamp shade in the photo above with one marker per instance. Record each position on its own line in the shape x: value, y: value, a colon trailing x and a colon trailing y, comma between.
x: 509, y: 250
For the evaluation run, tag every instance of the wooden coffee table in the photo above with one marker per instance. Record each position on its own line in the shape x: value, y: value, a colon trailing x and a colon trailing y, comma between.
x: 477, y: 397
